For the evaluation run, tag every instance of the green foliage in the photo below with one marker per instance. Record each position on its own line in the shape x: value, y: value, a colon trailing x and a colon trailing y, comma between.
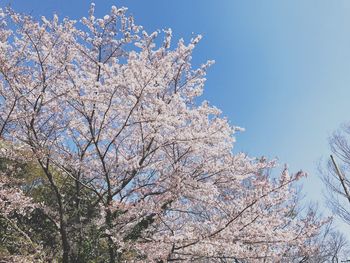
x: 88, y: 244
x: 137, y: 230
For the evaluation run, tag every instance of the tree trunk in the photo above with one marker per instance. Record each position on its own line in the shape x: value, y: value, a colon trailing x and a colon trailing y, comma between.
x: 111, y: 246
x: 63, y: 228
x: 63, y: 223
x: 65, y: 243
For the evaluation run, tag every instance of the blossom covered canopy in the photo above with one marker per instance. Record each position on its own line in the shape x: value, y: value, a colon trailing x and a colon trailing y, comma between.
x: 99, y: 102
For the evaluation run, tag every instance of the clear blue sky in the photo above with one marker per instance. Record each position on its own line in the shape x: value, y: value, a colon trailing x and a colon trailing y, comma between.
x: 282, y: 67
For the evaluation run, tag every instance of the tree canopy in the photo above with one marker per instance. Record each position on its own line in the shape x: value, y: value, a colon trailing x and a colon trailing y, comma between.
x: 108, y: 155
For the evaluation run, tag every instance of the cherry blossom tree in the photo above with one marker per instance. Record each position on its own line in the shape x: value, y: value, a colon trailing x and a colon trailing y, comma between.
x: 106, y: 108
